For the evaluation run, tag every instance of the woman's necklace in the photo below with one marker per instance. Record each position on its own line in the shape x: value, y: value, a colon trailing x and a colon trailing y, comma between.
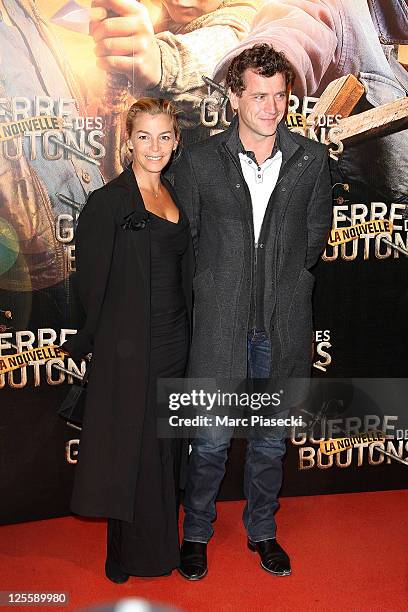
x: 154, y: 193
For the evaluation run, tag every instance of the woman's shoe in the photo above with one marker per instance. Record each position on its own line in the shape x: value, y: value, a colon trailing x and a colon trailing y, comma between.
x: 114, y: 573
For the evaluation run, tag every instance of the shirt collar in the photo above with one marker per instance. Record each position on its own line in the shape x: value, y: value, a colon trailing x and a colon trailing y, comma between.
x: 237, y: 146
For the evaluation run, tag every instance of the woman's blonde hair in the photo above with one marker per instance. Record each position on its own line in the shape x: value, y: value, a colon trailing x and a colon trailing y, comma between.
x: 153, y: 106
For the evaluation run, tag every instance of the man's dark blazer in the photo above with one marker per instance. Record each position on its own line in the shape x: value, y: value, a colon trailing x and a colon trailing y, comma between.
x: 210, y: 184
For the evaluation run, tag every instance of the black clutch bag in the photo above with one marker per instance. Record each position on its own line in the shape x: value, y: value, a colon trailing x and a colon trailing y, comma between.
x: 73, y: 406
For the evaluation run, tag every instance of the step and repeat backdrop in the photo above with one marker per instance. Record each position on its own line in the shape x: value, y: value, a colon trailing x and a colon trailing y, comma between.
x: 68, y: 72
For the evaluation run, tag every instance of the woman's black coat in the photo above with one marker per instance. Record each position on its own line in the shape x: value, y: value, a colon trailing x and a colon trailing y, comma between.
x: 113, y: 275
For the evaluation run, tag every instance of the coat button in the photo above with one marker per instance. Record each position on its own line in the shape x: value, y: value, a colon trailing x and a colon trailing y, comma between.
x: 237, y: 185
x: 261, y: 246
x: 306, y: 157
x: 86, y: 177
x: 283, y: 188
x: 299, y: 164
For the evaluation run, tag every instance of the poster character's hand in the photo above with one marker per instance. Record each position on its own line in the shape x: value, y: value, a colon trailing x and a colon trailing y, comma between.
x: 125, y: 42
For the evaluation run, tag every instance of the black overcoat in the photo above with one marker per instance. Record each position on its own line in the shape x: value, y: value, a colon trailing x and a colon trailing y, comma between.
x: 113, y: 277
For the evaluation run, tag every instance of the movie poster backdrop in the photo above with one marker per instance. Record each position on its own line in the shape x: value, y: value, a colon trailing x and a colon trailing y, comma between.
x: 65, y: 85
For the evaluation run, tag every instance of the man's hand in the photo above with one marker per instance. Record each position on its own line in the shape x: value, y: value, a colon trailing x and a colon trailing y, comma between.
x: 126, y: 43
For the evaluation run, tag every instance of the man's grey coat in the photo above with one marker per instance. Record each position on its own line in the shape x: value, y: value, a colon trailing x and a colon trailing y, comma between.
x: 212, y: 189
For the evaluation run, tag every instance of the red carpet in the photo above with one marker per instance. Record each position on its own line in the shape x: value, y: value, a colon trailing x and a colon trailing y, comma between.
x: 349, y: 553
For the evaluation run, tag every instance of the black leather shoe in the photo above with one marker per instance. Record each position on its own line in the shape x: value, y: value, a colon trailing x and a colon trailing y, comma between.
x: 273, y: 558
x: 114, y: 573
x: 193, y: 563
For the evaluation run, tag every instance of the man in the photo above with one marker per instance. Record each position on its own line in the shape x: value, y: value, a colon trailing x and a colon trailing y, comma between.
x: 168, y: 55
x: 259, y: 203
x: 327, y: 39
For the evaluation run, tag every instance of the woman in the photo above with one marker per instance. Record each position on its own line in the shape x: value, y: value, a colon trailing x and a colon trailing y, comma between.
x: 134, y: 271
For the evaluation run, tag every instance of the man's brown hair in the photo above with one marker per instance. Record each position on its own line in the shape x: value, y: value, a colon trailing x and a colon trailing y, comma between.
x: 262, y: 59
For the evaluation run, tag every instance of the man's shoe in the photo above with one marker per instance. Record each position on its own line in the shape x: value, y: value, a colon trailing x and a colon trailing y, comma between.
x: 193, y: 563
x: 114, y: 573
x: 273, y: 558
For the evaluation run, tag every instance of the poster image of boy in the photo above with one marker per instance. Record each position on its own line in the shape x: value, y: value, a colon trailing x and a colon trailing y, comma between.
x: 43, y: 175
x: 169, y: 57
x: 327, y: 39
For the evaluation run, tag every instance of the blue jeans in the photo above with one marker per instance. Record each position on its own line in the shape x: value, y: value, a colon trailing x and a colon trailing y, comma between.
x: 263, y: 468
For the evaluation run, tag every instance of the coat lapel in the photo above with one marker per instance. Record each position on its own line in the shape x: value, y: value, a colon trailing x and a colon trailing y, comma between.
x: 295, y: 160
x: 232, y: 168
x: 128, y: 181
x: 291, y: 150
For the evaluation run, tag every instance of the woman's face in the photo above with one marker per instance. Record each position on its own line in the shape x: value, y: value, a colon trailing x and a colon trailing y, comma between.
x: 153, y: 141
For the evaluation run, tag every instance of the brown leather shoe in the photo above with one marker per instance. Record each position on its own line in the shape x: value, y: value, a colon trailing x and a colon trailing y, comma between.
x: 273, y: 558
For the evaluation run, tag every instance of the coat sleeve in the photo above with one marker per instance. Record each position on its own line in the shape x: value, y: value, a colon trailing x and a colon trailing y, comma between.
x: 319, y: 214
x: 94, y: 240
x: 187, y: 56
x: 186, y: 187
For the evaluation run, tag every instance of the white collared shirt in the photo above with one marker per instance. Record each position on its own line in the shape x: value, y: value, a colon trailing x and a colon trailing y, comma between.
x: 261, y: 181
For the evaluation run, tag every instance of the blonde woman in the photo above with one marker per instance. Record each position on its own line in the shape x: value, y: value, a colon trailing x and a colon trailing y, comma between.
x: 134, y: 271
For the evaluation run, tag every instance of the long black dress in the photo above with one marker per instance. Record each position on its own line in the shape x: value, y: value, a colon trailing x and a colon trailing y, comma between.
x: 149, y: 546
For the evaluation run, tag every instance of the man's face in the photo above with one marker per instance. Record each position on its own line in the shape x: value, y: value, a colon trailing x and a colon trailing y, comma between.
x: 184, y: 11
x: 262, y: 103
